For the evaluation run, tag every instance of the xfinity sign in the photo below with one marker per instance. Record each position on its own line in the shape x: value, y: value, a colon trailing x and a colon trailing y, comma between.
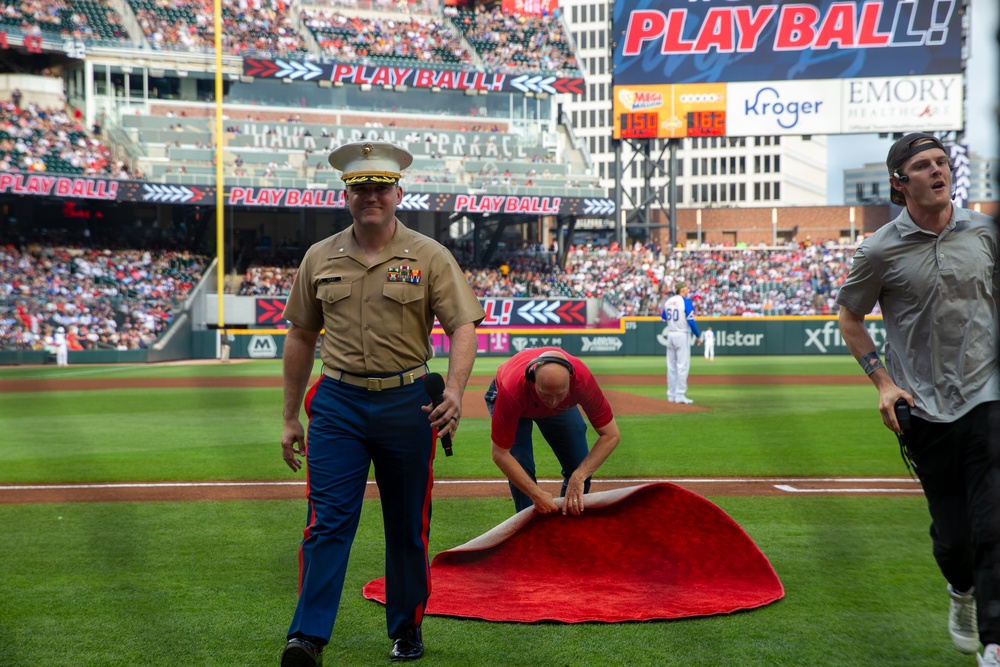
x: 827, y: 338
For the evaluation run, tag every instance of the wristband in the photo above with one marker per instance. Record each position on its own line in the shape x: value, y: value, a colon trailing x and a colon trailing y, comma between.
x: 870, y: 363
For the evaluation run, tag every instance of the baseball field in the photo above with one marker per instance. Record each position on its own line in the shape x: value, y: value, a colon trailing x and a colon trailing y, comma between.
x: 148, y: 519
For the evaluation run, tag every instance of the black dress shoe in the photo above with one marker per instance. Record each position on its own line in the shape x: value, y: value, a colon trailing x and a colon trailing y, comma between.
x: 301, y: 653
x: 408, y: 647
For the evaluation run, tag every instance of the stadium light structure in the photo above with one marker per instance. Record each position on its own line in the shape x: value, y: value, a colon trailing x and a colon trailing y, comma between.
x: 246, y: 79
x: 366, y: 87
x: 287, y: 80
x: 157, y: 72
x: 324, y: 83
x: 435, y: 89
x: 400, y: 88
x: 181, y: 73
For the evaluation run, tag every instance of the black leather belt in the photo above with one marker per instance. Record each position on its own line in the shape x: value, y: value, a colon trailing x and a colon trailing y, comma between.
x: 378, y: 384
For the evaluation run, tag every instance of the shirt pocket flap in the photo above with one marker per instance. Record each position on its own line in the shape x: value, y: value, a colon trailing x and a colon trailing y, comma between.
x: 403, y: 293
x: 333, y: 292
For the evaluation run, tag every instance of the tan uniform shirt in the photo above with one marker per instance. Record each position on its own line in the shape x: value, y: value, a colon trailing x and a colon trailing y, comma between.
x: 378, y: 318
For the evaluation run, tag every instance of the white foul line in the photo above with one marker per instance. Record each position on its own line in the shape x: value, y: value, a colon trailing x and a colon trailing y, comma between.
x: 791, y: 489
x: 780, y: 483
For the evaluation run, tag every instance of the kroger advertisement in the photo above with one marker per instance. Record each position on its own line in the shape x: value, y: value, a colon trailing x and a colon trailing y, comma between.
x: 752, y: 67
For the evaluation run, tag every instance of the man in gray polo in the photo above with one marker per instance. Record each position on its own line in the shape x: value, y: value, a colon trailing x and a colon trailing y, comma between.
x: 933, y: 272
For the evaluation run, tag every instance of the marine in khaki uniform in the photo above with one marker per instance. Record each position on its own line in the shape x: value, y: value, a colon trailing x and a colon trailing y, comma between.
x: 374, y: 289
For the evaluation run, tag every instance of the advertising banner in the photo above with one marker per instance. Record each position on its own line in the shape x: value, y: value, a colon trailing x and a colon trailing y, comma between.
x: 678, y: 41
x: 516, y: 7
x: 752, y: 67
x: 71, y: 187
x: 411, y: 77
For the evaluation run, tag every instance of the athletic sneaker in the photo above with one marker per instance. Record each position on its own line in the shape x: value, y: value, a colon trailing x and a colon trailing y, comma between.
x: 962, y: 621
x: 990, y: 656
x: 683, y: 399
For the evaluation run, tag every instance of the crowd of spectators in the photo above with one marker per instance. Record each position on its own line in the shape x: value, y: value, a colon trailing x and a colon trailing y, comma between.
x: 267, y: 281
x: 36, y: 17
x: 33, y: 139
x: 249, y: 27
x: 754, y: 282
x: 516, y: 43
x: 725, y: 282
x: 104, y: 299
x: 426, y: 40
x: 124, y: 299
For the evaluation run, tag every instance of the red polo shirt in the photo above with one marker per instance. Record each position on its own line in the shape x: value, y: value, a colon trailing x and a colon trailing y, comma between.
x: 517, y: 398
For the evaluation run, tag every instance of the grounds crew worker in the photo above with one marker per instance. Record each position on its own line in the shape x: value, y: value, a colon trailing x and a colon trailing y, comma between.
x: 544, y: 386
x: 375, y: 289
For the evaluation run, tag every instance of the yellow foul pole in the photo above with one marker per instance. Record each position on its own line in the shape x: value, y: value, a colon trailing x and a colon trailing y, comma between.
x: 220, y: 236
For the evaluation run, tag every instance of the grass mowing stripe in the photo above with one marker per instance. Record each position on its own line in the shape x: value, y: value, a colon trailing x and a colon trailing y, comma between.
x: 233, y: 434
x: 214, y: 583
x: 640, y: 365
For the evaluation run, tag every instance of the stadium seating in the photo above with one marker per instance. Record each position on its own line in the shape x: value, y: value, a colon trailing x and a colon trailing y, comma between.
x: 36, y: 139
x: 512, y: 43
x: 395, y: 40
x: 725, y: 281
x: 92, y: 21
x: 188, y: 25
x: 105, y: 299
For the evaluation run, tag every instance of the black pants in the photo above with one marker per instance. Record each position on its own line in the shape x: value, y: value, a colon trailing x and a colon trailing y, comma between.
x: 958, y: 464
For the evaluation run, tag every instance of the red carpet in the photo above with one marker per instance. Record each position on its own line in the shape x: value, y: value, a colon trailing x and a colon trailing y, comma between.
x: 647, y: 552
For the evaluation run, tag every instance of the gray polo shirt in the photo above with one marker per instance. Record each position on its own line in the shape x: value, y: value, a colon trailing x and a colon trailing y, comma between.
x: 939, y: 304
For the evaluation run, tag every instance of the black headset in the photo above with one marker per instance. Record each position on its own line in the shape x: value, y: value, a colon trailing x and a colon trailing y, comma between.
x: 529, y: 370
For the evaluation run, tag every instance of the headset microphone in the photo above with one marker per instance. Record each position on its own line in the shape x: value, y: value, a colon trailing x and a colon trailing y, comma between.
x: 434, y: 386
x: 903, y: 178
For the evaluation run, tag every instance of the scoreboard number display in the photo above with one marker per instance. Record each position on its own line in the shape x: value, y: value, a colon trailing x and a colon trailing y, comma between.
x: 639, y: 125
x: 706, y: 124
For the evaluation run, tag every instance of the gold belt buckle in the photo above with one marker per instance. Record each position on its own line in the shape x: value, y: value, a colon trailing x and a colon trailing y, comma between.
x: 408, y: 378
x: 374, y: 384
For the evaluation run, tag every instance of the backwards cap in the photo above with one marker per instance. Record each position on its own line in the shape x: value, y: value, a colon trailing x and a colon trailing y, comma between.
x: 370, y: 162
x: 902, y: 150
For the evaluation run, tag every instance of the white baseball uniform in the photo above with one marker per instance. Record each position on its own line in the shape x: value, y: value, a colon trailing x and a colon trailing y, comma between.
x: 708, y: 338
x: 678, y: 313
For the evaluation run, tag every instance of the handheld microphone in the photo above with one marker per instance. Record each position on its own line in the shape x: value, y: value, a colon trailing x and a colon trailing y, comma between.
x: 434, y: 386
x: 903, y: 178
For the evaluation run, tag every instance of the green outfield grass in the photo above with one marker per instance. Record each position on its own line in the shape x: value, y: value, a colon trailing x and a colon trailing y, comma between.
x: 234, y: 434
x: 753, y: 365
x: 213, y: 583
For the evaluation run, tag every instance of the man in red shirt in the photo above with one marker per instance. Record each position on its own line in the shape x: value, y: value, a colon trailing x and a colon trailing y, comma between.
x: 545, y: 386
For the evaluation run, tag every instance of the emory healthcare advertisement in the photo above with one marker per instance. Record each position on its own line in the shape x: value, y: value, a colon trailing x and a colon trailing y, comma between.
x: 752, y: 67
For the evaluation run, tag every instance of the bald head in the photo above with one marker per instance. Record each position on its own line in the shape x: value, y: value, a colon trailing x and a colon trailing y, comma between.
x: 552, y: 380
